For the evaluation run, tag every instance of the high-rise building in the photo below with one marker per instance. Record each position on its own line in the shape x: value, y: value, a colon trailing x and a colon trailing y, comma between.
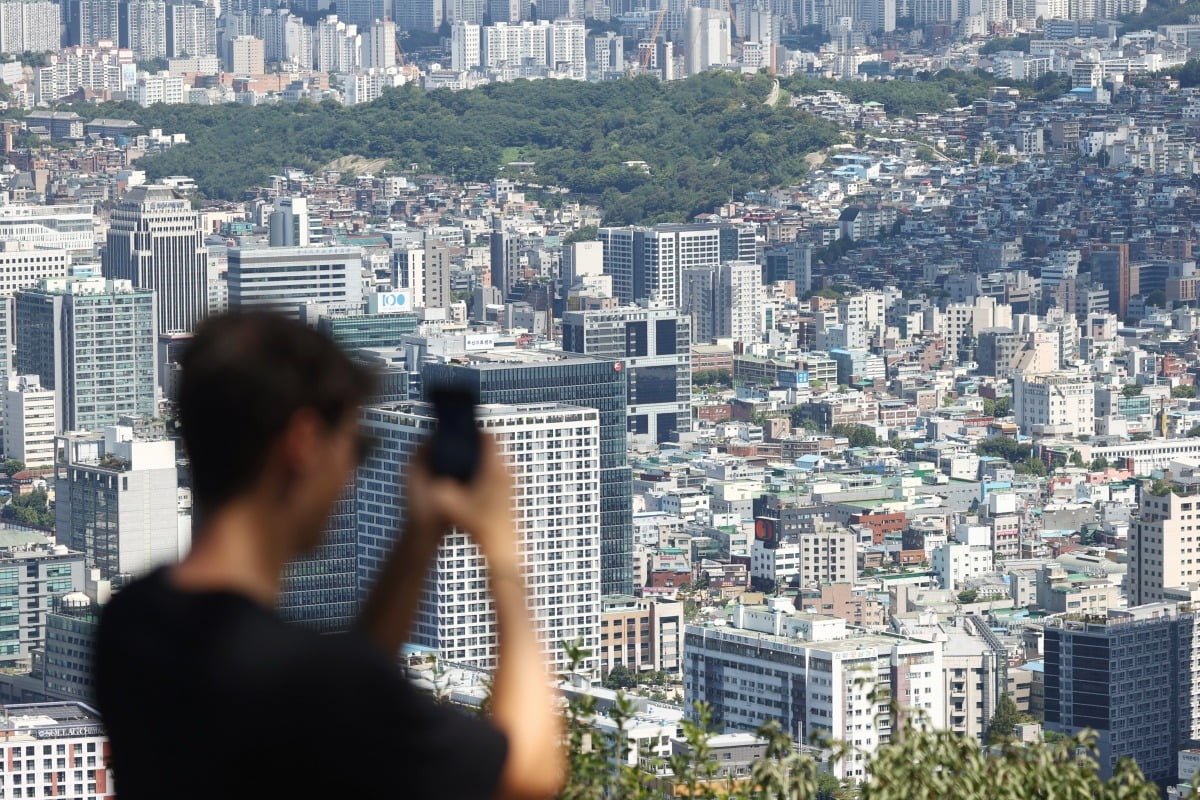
x: 813, y: 675
x: 419, y: 15
x: 289, y: 224
x: 117, y: 501
x: 191, y: 29
x: 67, y: 728
x: 553, y: 451
x: 506, y: 259
x: 30, y: 26
x: 1112, y: 270
x: 30, y: 424
x: 438, y: 264
x: 789, y: 262
x: 648, y: 263
x: 155, y: 242
x: 144, y: 28
x: 319, y: 589
x: 566, y: 46
x: 286, y: 39
x: 608, y: 54
x: 1162, y: 537
x: 520, y: 377
x: 92, y: 341
x: 337, y: 47
x: 739, y: 301
x: 32, y: 579
x: 99, y: 69
x: 1132, y: 678
x: 709, y: 39
x: 71, y: 626
x: 655, y: 346
x: 90, y: 22
x: 379, y: 43
x: 284, y: 278
x: 247, y: 56
x: 464, y: 46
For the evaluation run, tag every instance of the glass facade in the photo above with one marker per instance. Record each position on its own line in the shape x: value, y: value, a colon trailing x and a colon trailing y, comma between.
x: 594, y: 383
x: 369, y: 330
x: 319, y: 590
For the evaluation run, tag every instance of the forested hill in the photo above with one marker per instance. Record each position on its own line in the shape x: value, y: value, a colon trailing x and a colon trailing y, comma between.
x: 704, y: 139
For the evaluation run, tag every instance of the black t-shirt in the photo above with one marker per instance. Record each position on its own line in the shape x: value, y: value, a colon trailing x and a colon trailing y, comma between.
x: 209, y: 695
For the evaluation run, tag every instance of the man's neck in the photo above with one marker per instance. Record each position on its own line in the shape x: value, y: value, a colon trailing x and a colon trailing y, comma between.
x: 237, y: 550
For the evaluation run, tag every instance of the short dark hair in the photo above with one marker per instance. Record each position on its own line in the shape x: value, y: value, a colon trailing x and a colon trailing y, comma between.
x: 243, y: 377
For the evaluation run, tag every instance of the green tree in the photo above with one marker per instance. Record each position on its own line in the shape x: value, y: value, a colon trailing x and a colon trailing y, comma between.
x: 1032, y: 466
x: 858, y: 435
x: 1003, y: 724
x: 1076, y: 459
x: 30, y: 509
x: 1131, y: 389
x: 1004, y: 447
x: 12, y: 466
x: 1098, y: 463
x: 968, y: 596
x: 1183, y: 390
x: 620, y: 677
x: 587, y: 233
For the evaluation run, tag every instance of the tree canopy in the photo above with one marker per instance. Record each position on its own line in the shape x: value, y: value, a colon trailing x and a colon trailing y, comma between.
x: 701, y: 140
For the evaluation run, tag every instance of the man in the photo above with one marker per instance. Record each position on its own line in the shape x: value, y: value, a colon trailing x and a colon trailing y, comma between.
x: 207, y: 694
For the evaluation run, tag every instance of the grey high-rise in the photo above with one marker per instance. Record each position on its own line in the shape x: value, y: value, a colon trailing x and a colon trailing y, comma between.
x: 527, y: 376
x: 155, y: 242
x: 93, y: 341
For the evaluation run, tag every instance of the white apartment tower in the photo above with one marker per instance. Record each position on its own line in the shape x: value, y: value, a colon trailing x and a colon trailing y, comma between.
x: 379, y: 45
x: 155, y: 242
x: 739, y: 301
x: 709, y: 39
x: 30, y: 26
x: 464, y: 46
x: 144, y: 24
x: 553, y: 451
x: 30, y: 421
x: 1163, y: 538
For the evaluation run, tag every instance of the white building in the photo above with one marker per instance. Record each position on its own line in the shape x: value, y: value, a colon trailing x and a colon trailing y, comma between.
x: 117, y: 501
x: 1057, y: 404
x: 30, y: 26
x: 708, y: 39
x: 30, y: 421
x: 146, y: 23
x: 22, y: 265
x: 337, y: 47
x: 379, y: 45
x: 749, y: 672
x: 464, y: 46
x: 71, y: 732
x: 809, y: 559
x: 283, y: 278
x: 161, y: 88
x: 67, y: 227
x: 955, y: 562
x: 102, y: 70
x: 739, y: 301
x: 367, y: 85
x: 553, y: 451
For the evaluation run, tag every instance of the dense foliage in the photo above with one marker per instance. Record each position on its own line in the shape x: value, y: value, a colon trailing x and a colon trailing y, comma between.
x: 1005, y: 447
x: 929, y: 93
x: 31, y: 509
x: 1161, y: 12
x: 703, y: 139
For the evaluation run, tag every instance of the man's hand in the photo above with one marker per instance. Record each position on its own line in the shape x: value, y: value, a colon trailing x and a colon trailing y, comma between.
x: 482, y: 508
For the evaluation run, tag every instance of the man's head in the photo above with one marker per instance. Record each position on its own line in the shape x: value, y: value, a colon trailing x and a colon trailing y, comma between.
x: 269, y: 409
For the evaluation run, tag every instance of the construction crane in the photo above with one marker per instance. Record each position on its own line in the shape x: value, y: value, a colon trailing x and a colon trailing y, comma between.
x: 733, y: 26
x: 646, y: 54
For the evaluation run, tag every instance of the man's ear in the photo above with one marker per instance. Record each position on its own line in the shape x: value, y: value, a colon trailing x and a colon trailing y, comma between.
x: 299, y: 445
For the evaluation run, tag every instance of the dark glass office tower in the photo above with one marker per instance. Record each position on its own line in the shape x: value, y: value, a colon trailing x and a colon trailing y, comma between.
x: 539, y: 376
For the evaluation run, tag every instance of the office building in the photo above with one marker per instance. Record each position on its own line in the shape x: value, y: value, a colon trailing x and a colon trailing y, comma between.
x: 419, y: 15
x: 155, y: 242
x: 59, y: 227
x: 655, y: 346
x: 30, y: 424
x: 289, y: 224
x: 1112, y: 271
x: 319, y: 590
x: 1131, y: 678
x: 791, y: 261
x: 71, y: 625
x: 33, y: 576
x: 527, y: 376
x: 117, y: 501
x: 465, y: 46
x: 1162, y: 537
x: 284, y: 278
x: 30, y: 26
x: 1058, y: 404
x: 812, y: 674
x: 641, y: 634
x: 356, y: 331
x: 23, y: 265
x: 74, y: 733
x: 648, y: 263
x: 553, y: 451
x: 92, y: 341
